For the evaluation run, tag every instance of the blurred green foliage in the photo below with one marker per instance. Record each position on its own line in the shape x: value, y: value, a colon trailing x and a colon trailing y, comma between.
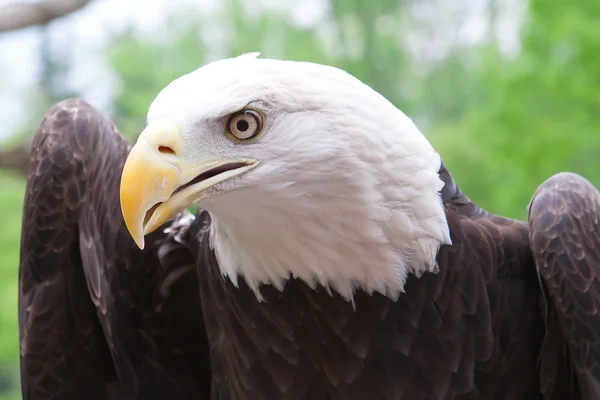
x: 11, y: 200
x: 502, y: 124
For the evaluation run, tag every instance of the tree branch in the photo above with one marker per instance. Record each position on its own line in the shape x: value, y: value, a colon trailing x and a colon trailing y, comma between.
x: 15, y: 16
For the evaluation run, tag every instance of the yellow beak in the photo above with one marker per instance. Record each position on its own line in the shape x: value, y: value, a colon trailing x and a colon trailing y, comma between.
x: 158, y: 181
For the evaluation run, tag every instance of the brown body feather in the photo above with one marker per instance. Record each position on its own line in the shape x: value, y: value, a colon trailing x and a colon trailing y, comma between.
x: 99, y: 317
x: 472, y: 331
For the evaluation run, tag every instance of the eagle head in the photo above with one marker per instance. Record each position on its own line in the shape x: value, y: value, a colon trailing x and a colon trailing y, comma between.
x: 306, y: 172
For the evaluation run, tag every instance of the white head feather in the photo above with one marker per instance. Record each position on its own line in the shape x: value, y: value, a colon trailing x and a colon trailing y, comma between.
x: 347, y: 191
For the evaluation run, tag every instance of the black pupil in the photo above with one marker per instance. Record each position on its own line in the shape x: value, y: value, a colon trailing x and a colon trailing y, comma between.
x: 242, y: 125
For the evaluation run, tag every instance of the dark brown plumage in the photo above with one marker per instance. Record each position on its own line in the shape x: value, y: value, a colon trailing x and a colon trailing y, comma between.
x: 564, y: 221
x: 487, y: 326
x: 472, y: 331
x: 87, y: 292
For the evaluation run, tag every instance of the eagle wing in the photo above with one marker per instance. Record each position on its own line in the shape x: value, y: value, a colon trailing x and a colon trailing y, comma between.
x: 99, y: 318
x: 564, y: 221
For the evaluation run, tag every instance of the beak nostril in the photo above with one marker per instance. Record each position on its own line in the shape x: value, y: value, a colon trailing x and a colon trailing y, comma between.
x: 166, y: 150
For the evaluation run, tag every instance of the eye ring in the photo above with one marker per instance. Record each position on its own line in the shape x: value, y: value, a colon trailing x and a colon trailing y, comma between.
x: 245, y: 124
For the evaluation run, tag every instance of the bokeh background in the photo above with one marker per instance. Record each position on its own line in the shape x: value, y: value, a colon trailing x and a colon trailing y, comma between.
x: 508, y: 91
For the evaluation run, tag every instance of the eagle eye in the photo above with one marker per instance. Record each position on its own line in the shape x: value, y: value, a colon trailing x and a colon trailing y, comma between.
x: 245, y: 124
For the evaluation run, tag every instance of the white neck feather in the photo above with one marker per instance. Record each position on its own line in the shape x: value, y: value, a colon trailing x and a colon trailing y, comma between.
x: 366, y: 227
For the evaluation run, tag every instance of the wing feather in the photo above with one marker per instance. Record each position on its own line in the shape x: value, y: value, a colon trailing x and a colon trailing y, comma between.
x: 95, y: 318
x: 564, y: 221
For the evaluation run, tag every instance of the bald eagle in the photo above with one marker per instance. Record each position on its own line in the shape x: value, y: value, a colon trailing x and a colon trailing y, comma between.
x: 333, y: 255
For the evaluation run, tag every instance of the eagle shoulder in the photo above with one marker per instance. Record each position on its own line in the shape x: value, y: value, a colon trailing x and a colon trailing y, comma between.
x: 564, y: 222
x: 97, y: 316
